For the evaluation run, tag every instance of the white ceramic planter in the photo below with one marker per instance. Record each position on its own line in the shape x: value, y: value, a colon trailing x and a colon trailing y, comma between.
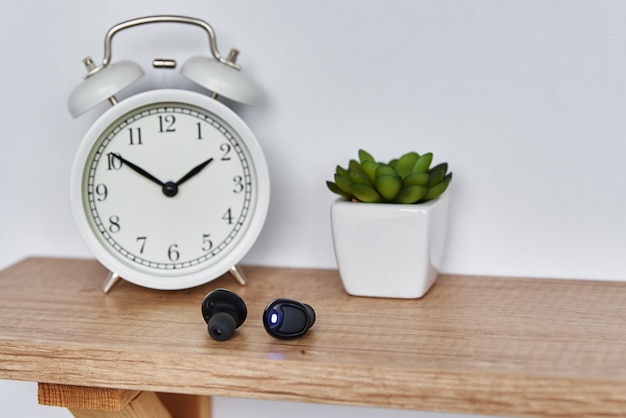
x: 389, y: 250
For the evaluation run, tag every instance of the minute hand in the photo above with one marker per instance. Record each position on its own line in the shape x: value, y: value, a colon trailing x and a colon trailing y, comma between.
x: 139, y: 170
x: 193, y: 172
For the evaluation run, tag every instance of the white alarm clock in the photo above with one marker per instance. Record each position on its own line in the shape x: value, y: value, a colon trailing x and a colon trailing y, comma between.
x: 169, y: 188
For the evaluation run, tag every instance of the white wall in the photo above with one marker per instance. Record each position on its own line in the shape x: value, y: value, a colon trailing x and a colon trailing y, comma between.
x: 524, y: 99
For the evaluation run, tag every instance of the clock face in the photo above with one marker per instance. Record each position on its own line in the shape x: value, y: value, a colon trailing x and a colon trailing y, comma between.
x: 173, y: 189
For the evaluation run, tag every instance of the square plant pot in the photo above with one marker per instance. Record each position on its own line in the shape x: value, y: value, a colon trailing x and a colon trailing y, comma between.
x: 389, y: 250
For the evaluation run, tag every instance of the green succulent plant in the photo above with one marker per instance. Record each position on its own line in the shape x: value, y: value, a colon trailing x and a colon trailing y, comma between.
x: 408, y: 179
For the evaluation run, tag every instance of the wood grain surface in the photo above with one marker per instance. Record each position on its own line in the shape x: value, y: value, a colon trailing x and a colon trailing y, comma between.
x: 144, y: 405
x: 100, y: 399
x: 90, y: 401
x: 502, y: 346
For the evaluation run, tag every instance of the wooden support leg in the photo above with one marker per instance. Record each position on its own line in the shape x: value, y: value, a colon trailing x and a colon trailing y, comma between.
x: 186, y: 406
x: 88, y: 402
x: 144, y: 405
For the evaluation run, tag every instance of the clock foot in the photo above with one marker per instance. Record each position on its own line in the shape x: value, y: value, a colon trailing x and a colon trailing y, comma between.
x: 110, y: 281
x: 238, y: 275
x: 113, y: 278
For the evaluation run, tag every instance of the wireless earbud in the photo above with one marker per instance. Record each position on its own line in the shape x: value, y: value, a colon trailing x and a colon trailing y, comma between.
x: 223, y: 311
x: 286, y: 318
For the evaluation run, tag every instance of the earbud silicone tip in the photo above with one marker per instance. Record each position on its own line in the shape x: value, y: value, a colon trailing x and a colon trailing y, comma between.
x: 222, y: 326
x: 223, y: 311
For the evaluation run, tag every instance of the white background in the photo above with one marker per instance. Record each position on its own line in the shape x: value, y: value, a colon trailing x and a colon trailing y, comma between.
x: 525, y: 100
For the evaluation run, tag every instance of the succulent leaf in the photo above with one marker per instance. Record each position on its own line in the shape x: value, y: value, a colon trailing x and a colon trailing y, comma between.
x: 365, y: 156
x: 416, y: 179
x: 335, y: 189
x: 438, y: 189
x: 369, y: 167
x: 386, y: 170
x: 410, y: 194
x: 437, y: 174
x: 360, y: 177
x: 366, y: 193
x: 423, y: 163
x: 405, y: 163
x: 388, y: 186
x: 355, y: 166
x: 342, y: 171
x: 343, y: 183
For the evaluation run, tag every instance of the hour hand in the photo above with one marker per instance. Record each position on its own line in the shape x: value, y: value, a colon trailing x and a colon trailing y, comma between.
x: 138, y: 169
x: 193, y: 172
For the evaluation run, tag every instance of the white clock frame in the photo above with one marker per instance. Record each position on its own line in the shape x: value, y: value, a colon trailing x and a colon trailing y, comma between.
x: 247, y: 237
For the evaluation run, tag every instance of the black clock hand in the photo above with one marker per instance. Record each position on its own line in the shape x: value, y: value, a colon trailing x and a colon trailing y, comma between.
x: 193, y: 172
x: 139, y: 170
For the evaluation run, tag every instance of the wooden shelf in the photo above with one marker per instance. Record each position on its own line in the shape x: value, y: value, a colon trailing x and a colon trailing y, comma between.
x: 501, y: 346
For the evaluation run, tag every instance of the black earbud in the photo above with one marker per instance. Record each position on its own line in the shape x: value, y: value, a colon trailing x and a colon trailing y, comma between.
x: 286, y: 318
x: 223, y: 311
